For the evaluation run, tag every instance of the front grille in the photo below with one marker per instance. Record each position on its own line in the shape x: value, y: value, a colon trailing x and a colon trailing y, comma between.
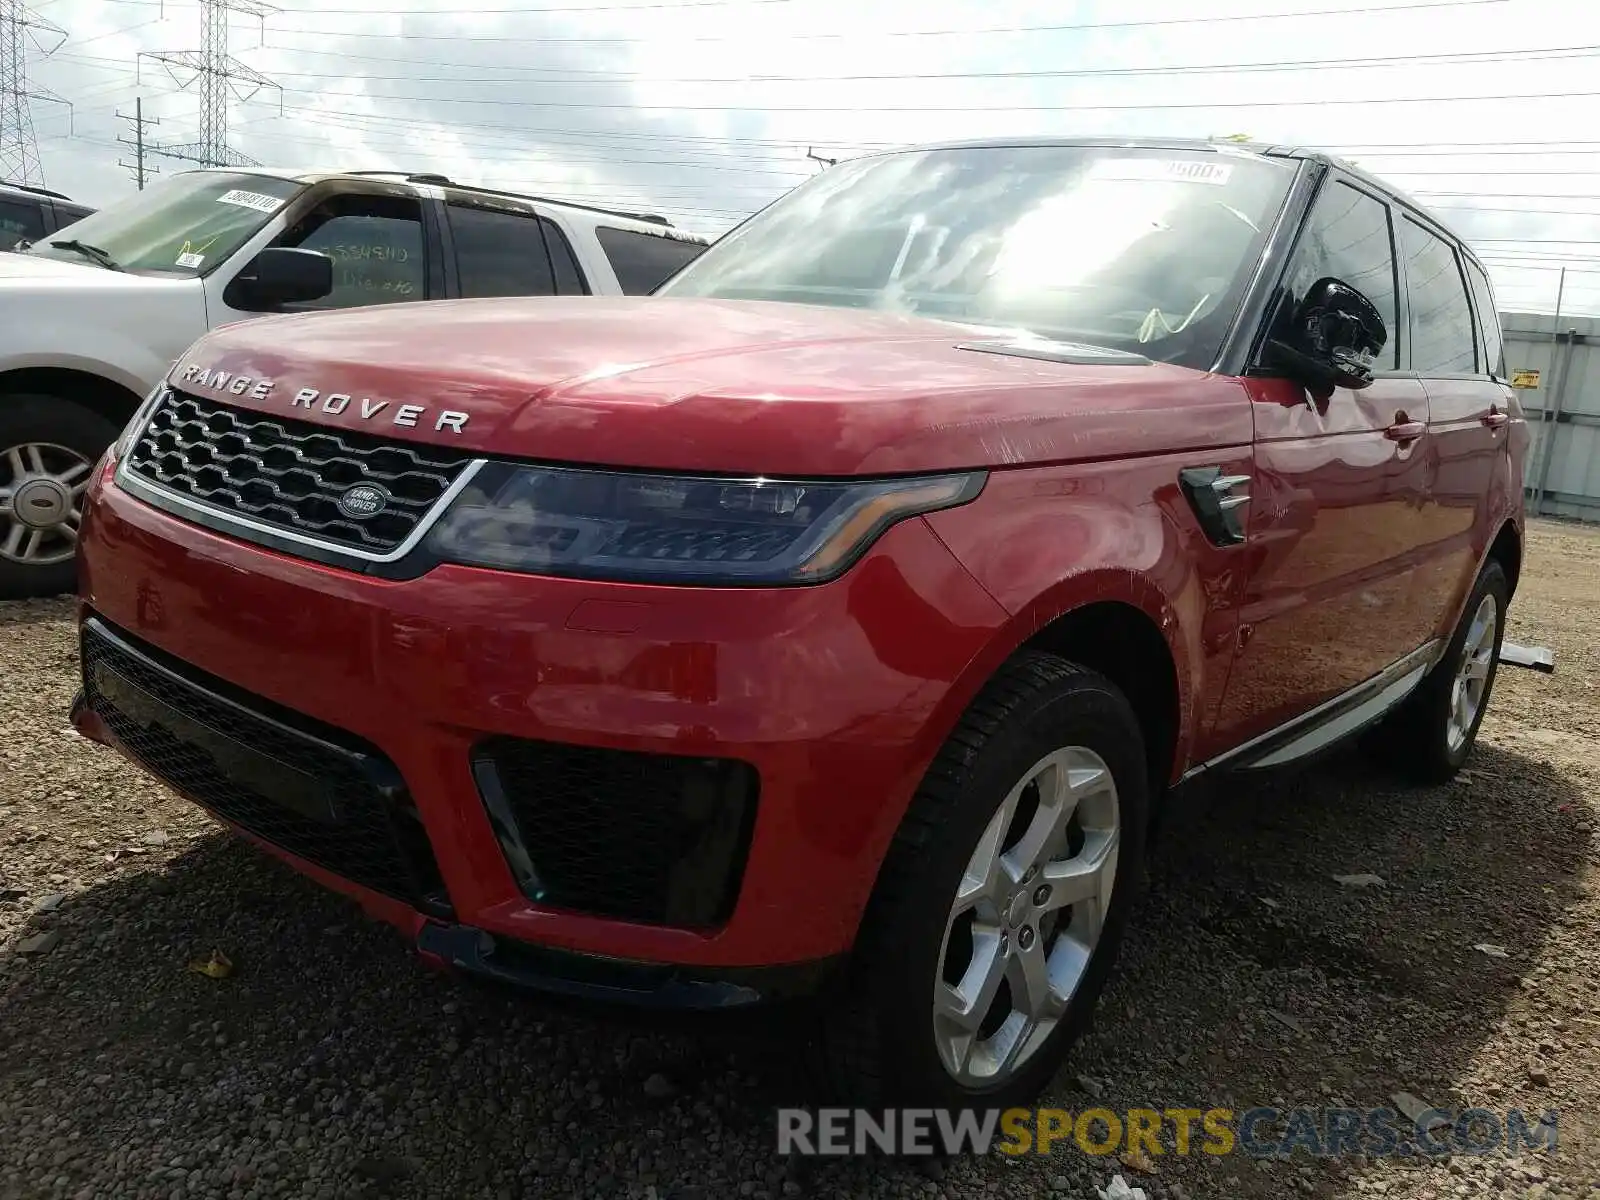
x: 312, y: 790
x: 289, y: 474
x: 643, y: 837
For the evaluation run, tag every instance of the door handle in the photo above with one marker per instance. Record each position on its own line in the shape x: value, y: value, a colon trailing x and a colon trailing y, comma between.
x: 1494, y: 418
x: 1405, y: 431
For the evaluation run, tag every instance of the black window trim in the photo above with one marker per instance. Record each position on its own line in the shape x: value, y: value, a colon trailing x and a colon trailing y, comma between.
x: 1469, y: 260
x: 1402, y: 298
x: 1265, y: 309
x: 547, y: 224
x: 1452, y: 244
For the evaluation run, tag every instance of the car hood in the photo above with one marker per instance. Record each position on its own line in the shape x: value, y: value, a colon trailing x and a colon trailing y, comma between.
x: 33, y: 272
x: 708, y: 385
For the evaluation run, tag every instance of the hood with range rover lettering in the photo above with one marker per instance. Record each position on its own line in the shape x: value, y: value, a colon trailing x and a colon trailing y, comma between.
x: 711, y: 385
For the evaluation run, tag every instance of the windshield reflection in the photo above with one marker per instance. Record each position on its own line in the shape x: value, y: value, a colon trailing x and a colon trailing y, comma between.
x: 1139, y: 248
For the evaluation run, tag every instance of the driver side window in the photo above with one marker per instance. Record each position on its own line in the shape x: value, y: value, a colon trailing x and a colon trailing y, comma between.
x: 376, y: 243
x: 1347, y: 236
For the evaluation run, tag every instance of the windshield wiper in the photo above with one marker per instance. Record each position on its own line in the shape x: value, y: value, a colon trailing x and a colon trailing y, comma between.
x: 93, y: 253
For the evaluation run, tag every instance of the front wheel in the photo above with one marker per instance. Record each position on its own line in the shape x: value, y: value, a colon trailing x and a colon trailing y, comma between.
x: 1430, y: 736
x: 1002, y: 899
x: 48, y: 448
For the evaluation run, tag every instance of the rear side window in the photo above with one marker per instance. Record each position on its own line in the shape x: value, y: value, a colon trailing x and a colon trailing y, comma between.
x: 1442, y: 341
x: 500, y: 253
x: 1347, y: 237
x: 644, y: 261
x: 18, y: 220
x: 1492, y: 339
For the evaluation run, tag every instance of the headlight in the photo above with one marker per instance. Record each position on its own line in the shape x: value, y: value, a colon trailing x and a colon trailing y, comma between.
x: 140, y: 416
x: 677, y: 528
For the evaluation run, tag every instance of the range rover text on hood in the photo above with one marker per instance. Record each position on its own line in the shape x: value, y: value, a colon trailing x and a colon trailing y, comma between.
x: 365, y: 408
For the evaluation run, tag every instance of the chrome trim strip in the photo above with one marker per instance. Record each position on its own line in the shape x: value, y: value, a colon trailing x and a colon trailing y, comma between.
x: 1302, y: 730
x: 1347, y: 722
x: 144, y: 488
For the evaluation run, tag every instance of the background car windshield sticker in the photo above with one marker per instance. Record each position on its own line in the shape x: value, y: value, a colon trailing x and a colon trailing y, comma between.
x: 192, y: 256
x: 255, y: 200
x: 1163, y: 170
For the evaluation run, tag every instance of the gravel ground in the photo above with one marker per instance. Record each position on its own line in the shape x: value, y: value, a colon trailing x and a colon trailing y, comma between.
x: 329, y: 1064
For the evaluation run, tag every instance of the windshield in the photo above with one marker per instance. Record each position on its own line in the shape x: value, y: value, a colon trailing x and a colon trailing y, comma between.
x: 1136, y: 248
x: 180, y: 226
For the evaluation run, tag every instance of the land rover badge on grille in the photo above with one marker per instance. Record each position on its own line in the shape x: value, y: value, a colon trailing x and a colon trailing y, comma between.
x: 363, y: 501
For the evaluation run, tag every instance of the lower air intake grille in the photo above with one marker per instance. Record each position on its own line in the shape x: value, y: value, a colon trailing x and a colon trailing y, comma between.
x: 289, y: 474
x: 642, y: 837
x: 312, y: 790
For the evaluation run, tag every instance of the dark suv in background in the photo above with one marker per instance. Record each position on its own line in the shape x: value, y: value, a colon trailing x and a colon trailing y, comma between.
x: 30, y: 213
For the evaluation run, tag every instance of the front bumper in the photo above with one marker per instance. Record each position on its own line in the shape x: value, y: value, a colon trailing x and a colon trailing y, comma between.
x: 836, y: 697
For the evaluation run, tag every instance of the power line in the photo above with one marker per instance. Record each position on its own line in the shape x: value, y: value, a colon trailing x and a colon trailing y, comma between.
x: 520, y: 140
x: 19, y: 148
x: 523, y: 75
x: 1509, y: 196
x: 521, y: 9
x: 864, y: 35
x: 1589, y: 214
x: 1319, y: 102
x: 1517, y: 171
x: 218, y: 74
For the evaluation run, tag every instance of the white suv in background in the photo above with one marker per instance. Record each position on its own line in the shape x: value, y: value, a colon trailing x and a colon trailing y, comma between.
x: 93, y: 316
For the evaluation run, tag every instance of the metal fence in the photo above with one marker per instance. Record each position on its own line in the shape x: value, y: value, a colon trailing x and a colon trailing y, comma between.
x: 1563, y: 409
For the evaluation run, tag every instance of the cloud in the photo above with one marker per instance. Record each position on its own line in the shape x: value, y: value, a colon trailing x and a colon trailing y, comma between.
x: 704, y: 111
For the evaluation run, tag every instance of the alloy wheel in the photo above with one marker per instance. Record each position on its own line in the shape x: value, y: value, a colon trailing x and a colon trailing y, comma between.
x: 1026, y: 917
x: 1472, y: 675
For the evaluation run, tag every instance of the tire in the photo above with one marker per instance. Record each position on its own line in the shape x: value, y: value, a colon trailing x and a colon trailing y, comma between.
x: 1424, y: 741
x: 68, y: 440
x: 878, y: 1044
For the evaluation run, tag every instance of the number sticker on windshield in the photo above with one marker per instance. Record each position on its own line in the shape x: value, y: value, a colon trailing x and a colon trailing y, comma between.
x: 1164, y: 170
x: 255, y: 200
x: 187, y: 259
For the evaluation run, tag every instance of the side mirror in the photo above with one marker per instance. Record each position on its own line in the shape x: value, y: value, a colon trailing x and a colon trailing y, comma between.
x: 281, y: 275
x: 1334, y: 337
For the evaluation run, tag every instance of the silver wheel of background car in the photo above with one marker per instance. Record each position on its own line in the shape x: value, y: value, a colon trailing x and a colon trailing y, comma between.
x: 41, y: 502
x: 1026, y: 917
x: 1472, y: 675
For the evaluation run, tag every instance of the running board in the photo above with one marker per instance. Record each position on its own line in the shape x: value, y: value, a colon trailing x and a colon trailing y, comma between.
x: 1533, y: 658
x: 1347, y: 722
x: 1330, y: 722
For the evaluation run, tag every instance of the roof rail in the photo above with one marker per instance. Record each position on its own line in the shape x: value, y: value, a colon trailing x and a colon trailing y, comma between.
x: 37, y: 191
x: 443, y: 181
x: 650, y: 218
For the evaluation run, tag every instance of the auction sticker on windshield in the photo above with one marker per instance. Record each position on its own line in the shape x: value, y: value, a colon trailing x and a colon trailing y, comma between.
x: 191, y: 260
x: 1176, y: 170
x: 255, y: 200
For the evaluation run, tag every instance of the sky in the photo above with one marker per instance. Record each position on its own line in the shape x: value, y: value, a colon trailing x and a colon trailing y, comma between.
x: 705, y: 110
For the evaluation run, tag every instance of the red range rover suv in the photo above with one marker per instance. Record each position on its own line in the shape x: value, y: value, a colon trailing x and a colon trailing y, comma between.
x: 835, y: 620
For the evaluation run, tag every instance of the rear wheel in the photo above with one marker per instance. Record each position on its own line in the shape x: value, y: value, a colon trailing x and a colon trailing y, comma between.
x: 1430, y: 736
x: 1002, y: 899
x: 48, y: 448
